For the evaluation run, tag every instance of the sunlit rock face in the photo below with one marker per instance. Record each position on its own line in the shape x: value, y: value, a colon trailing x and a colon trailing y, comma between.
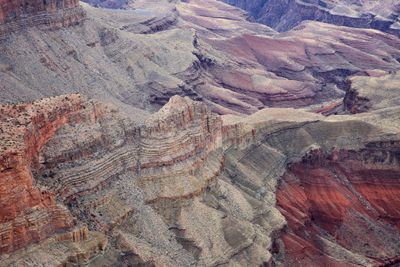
x: 285, y: 15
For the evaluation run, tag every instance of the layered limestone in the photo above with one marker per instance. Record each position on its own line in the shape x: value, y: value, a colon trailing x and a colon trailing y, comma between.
x: 34, y: 213
x: 211, y: 185
x: 151, y: 177
x: 16, y: 15
x: 113, y: 174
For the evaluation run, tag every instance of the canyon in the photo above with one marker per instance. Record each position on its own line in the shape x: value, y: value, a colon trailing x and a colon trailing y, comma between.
x: 179, y: 133
x: 285, y: 15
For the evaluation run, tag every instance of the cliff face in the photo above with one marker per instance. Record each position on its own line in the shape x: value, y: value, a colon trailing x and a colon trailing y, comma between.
x: 285, y: 15
x: 82, y: 172
x: 18, y: 14
x: 15, y: 9
x: 34, y: 214
x: 347, y: 201
x: 372, y: 93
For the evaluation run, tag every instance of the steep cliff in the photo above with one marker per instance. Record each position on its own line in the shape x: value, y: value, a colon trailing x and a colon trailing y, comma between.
x: 30, y: 213
x: 16, y: 15
x: 343, y: 207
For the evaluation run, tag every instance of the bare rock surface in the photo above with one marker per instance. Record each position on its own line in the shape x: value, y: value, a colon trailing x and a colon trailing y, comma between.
x: 141, y: 56
x: 285, y: 15
x: 211, y: 186
x: 18, y: 15
x: 197, y: 138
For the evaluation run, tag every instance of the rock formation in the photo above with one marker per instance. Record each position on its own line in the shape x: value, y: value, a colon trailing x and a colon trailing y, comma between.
x: 285, y: 15
x: 30, y: 213
x: 206, y: 182
x: 140, y: 57
x: 19, y: 14
x: 197, y: 138
x: 347, y: 201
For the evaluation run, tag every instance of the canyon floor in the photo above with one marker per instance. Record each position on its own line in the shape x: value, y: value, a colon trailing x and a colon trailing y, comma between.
x: 181, y: 133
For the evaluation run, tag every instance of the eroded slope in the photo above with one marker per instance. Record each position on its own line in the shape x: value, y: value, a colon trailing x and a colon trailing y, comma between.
x: 140, y: 57
x: 285, y: 15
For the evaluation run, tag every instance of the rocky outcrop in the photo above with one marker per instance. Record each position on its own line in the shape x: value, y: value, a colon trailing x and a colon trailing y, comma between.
x: 16, y: 15
x: 29, y: 213
x: 342, y: 207
x: 377, y: 91
x: 285, y: 15
x: 209, y: 185
x: 60, y: 251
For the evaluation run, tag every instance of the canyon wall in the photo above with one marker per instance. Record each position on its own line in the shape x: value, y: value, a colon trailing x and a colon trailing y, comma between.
x: 16, y: 15
x: 217, y: 189
x: 147, y: 176
x: 34, y: 213
x: 140, y: 57
x: 285, y: 15
x: 347, y: 196
x: 13, y: 10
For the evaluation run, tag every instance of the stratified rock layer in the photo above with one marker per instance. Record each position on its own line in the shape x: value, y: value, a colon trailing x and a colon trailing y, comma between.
x: 285, y: 15
x: 90, y: 182
x: 28, y: 213
x: 16, y: 15
x: 139, y: 57
x: 207, y: 183
x: 345, y: 203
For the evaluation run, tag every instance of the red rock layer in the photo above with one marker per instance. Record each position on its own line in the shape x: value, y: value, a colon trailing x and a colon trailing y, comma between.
x: 16, y: 15
x: 27, y: 213
x: 348, y: 197
x: 13, y: 9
